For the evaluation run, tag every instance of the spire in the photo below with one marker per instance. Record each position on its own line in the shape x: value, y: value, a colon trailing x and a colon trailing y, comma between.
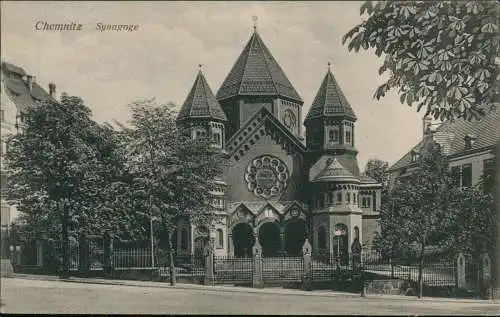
x: 201, y: 102
x: 256, y: 73
x: 330, y: 100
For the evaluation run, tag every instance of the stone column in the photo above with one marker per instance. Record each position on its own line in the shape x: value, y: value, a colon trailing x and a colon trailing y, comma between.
x: 209, y: 264
x: 108, y: 249
x: 306, y: 255
x: 39, y: 253
x: 486, y: 275
x: 230, y: 245
x: 83, y: 256
x: 257, y: 280
x: 282, y: 251
x: 460, y: 273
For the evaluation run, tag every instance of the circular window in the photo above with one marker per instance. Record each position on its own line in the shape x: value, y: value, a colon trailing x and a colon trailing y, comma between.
x: 266, y: 176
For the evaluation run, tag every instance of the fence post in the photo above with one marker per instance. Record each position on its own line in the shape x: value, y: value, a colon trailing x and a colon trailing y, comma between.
x: 460, y: 273
x: 257, y: 280
x: 83, y: 256
x: 108, y: 249
x: 486, y: 274
x: 209, y: 264
x: 306, y: 256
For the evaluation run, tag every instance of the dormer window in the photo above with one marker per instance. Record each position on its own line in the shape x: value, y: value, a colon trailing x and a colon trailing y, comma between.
x: 414, y: 156
x: 348, y: 133
x: 469, y: 141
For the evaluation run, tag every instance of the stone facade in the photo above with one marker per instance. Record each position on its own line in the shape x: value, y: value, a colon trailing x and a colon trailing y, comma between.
x: 279, y: 189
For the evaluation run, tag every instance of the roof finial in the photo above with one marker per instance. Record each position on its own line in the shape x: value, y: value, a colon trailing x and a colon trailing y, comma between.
x: 255, y: 18
x: 200, y: 66
x: 329, y: 66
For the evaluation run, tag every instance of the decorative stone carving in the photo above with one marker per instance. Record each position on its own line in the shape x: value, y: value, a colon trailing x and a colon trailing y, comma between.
x: 266, y: 176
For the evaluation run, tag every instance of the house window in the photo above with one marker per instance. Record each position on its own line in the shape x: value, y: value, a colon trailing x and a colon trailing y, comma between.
x: 414, y: 156
x: 467, y: 175
x: 339, y: 198
x: 333, y: 135
x: 220, y: 239
x: 348, y: 198
x: 488, y: 175
x: 184, y: 239
x: 354, y: 198
x: 200, y: 134
x: 356, y: 232
x: 321, y: 238
x: 455, y: 174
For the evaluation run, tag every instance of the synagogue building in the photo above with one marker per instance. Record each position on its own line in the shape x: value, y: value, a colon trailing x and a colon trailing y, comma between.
x: 280, y: 187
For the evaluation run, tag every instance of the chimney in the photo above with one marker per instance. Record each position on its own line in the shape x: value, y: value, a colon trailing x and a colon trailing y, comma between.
x: 426, y: 126
x: 30, y: 79
x: 52, y: 90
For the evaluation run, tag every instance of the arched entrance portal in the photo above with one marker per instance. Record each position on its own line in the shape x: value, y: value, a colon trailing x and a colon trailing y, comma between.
x: 295, y: 236
x: 243, y: 240
x: 340, y: 243
x: 269, y: 239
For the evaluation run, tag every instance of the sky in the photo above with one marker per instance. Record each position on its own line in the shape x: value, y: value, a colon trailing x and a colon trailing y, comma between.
x: 109, y: 70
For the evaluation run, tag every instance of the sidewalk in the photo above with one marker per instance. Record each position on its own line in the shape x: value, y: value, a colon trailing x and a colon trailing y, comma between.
x: 227, y: 288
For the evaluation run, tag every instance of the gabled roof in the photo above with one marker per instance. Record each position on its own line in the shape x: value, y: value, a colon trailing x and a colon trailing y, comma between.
x: 330, y: 100
x: 201, y: 102
x: 256, y: 72
x: 335, y: 171
x: 450, y: 135
x: 16, y: 88
x: 263, y: 117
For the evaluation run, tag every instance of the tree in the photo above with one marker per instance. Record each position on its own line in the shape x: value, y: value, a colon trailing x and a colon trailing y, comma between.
x: 172, y: 173
x: 60, y: 170
x: 420, y: 208
x: 377, y: 169
x: 442, y: 55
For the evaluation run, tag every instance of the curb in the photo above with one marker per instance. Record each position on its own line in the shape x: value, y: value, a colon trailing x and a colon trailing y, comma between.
x: 233, y: 289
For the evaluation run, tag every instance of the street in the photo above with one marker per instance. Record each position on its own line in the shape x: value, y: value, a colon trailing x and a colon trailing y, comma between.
x: 39, y: 296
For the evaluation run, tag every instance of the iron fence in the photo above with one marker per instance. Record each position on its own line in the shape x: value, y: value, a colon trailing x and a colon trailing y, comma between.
x: 282, y: 269
x: 131, y: 259
x: 230, y: 269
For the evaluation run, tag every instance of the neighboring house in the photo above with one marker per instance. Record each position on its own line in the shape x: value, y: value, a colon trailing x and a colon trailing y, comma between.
x: 279, y: 188
x: 469, y: 146
x: 19, y: 92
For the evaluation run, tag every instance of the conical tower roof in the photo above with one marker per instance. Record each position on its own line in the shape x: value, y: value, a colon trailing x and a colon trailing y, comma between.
x: 330, y: 101
x: 335, y: 171
x: 256, y: 72
x: 201, y: 102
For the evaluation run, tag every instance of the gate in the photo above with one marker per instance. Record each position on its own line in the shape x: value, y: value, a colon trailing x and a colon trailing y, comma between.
x: 282, y: 269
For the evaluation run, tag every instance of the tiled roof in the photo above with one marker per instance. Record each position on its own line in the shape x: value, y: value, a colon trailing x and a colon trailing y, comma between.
x: 330, y: 100
x: 450, y: 135
x: 335, y: 171
x: 18, y: 91
x: 201, y: 102
x: 13, y: 68
x: 256, y: 72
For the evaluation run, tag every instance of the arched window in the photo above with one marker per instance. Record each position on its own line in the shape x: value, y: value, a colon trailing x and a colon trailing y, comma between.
x: 321, y: 238
x: 348, y: 198
x: 321, y: 202
x: 184, y: 239
x: 354, y: 198
x: 330, y: 199
x: 333, y: 135
x: 339, y: 198
x: 220, y: 239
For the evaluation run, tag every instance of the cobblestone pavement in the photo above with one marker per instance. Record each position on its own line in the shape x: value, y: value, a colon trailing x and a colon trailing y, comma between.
x: 51, y: 296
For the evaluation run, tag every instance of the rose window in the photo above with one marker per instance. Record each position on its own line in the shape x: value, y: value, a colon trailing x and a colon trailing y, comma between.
x: 266, y: 176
